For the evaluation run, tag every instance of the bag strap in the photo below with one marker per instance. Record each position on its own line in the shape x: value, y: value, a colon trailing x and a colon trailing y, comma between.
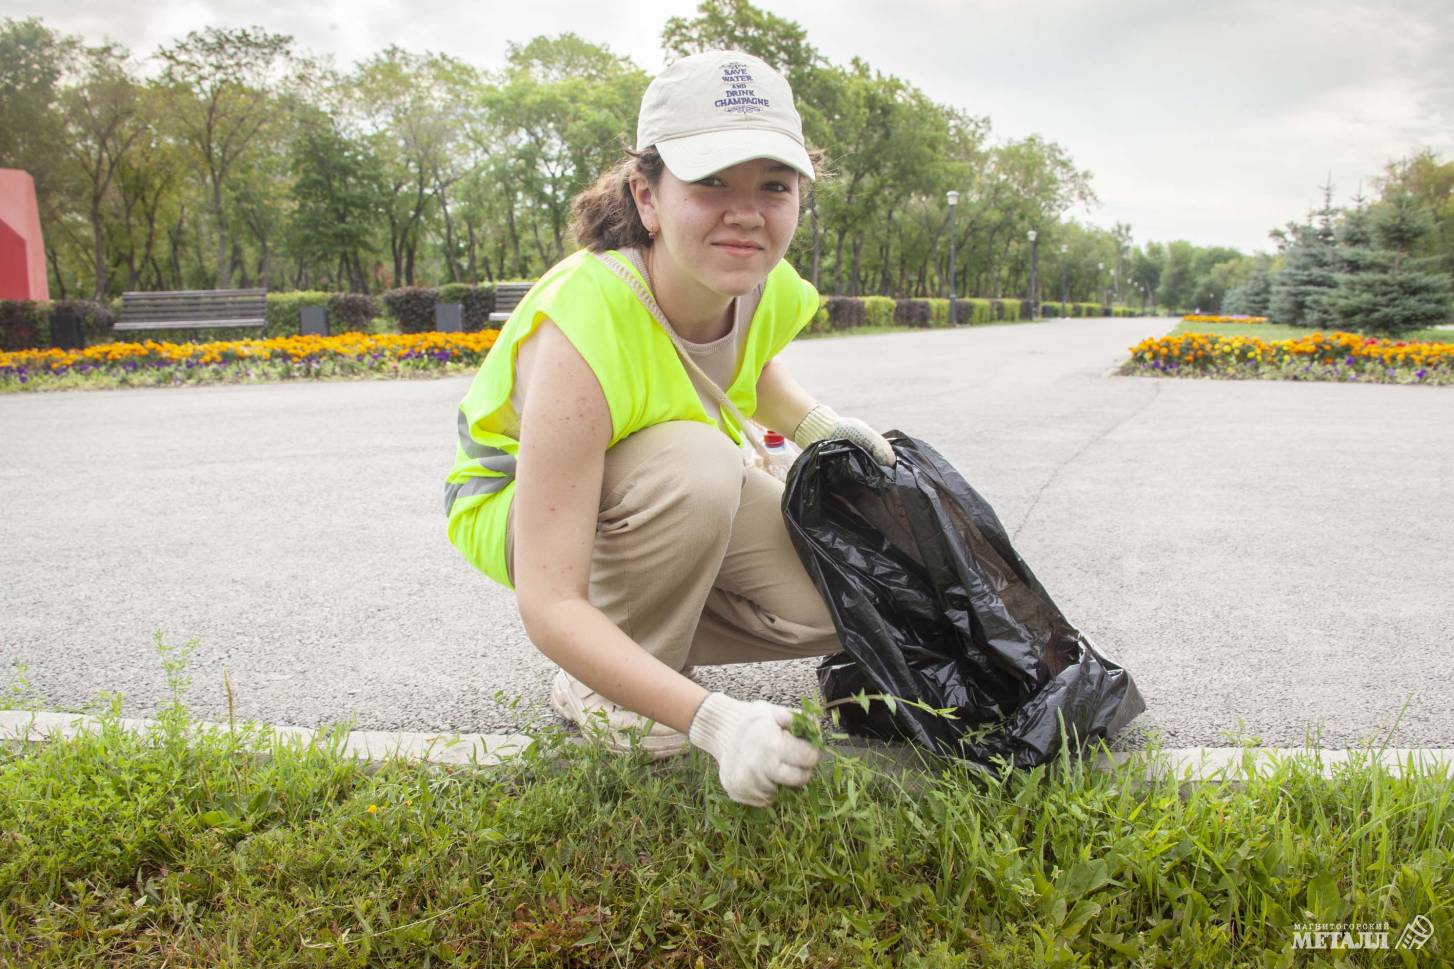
x: 647, y: 299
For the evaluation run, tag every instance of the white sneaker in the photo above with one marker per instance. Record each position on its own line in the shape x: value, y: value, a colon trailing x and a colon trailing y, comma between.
x: 605, y: 721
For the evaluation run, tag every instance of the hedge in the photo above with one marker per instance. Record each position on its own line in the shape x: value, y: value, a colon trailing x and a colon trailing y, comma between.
x: 26, y: 325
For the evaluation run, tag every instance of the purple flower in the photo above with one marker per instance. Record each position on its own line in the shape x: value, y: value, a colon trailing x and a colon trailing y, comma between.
x: 1420, y: 373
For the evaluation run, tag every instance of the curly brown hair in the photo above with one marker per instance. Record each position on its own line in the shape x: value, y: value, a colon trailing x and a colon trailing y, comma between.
x: 604, y: 216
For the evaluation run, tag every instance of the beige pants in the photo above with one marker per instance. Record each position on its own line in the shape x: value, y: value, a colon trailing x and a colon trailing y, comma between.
x: 692, y: 559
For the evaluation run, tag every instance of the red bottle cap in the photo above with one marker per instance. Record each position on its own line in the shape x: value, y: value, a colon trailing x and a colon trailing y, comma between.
x: 773, y: 439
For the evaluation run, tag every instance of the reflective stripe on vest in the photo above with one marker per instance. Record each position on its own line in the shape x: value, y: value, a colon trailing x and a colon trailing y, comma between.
x: 489, y: 458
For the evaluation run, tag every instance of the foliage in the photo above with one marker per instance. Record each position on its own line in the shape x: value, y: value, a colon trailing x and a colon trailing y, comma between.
x: 1385, y: 289
x: 184, y: 840
x: 22, y: 322
x: 96, y: 318
x: 878, y: 311
x: 351, y: 311
x: 477, y: 302
x: 244, y: 161
x: 1309, y: 271
x: 412, y: 307
x: 283, y: 311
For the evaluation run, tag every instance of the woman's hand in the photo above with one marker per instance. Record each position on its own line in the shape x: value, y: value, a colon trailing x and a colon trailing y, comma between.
x: 752, y: 746
x: 823, y: 424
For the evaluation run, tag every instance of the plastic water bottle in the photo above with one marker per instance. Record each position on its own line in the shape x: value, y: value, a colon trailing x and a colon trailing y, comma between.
x: 779, y: 460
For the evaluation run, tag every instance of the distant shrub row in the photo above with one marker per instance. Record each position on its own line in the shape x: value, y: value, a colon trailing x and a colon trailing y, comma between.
x: 848, y: 312
x: 25, y: 325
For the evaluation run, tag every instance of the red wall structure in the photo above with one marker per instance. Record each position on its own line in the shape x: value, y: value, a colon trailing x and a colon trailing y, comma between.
x: 22, y: 255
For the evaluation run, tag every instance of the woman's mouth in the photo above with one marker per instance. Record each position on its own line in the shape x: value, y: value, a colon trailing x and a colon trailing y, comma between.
x: 737, y: 250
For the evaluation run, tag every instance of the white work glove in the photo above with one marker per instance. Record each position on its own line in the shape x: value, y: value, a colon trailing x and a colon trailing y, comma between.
x: 823, y: 424
x: 753, y: 749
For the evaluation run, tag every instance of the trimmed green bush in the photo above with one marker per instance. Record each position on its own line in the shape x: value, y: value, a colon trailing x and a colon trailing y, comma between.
x: 283, y: 313
x: 819, y: 323
x: 412, y: 307
x: 96, y: 318
x: 477, y: 302
x: 845, y: 312
x: 980, y: 311
x: 911, y: 312
x: 22, y: 324
x: 878, y: 311
x: 351, y: 312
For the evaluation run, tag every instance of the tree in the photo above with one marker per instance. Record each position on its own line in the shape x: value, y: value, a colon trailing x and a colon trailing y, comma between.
x: 103, y: 120
x: 559, y: 112
x: 224, y: 82
x: 33, y: 61
x: 1431, y: 182
x: 1309, y: 268
x: 1393, y: 293
x: 340, y: 196
x: 1177, y: 287
x: 1249, y: 297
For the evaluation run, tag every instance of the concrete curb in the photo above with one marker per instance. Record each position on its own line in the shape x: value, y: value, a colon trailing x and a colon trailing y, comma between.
x: 1189, y: 764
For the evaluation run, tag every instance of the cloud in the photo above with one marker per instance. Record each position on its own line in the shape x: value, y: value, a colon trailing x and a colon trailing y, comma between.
x: 1213, y: 122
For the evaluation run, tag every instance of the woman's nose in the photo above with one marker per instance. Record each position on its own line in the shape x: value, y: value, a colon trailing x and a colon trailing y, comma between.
x: 744, y: 214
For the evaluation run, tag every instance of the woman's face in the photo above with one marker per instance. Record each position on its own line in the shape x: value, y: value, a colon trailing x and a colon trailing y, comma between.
x: 728, y: 230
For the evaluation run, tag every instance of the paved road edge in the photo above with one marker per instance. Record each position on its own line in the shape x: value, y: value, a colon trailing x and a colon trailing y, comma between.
x: 1186, y: 763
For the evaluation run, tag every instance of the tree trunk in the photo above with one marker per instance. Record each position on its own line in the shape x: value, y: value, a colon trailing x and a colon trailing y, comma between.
x: 883, y: 256
x: 262, y: 263
x: 449, y: 263
x: 817, y: 236
x: 237, y: 263
x: 838, y: 262
x: 55, y: 268
x: 514, y: 241
x: 473, y: 243
x: 857, y: 249
x: 224, y: 267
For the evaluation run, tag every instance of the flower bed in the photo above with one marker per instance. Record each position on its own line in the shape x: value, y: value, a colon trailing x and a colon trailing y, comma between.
x: 155, y: 364
x: 1246, y: 320
x: 1317, y: 356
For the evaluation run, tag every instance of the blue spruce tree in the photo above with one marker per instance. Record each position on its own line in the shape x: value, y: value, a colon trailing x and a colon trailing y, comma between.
x: 1387, y: 289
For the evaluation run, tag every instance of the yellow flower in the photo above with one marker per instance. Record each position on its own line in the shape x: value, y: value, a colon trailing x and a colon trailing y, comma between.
x: 373, y: 809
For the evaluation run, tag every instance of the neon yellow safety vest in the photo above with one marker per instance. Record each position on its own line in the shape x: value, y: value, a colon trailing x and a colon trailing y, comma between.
x: 641, y: 376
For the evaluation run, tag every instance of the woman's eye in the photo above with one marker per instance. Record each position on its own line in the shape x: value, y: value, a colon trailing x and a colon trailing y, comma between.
x: 777, y: 186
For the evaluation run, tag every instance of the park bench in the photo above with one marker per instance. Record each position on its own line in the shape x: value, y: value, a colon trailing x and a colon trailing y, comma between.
x: 507, y: 297
x: 193, y: 309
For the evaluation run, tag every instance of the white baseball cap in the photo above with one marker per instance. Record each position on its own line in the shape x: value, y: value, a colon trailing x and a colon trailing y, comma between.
x: 716, y: 109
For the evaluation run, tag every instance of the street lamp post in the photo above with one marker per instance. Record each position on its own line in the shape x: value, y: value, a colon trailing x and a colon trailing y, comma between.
x: 1101, y: 268
x: 953, y: 198
x: 1034, y: 302
x: 1113, y: 292
x: 1063, y: 268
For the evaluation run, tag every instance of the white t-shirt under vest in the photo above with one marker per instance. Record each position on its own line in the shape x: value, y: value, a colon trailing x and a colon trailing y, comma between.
x: 718, y: 359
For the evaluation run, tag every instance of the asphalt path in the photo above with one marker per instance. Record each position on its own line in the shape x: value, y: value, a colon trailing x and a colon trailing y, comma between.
x: 1269, y: 559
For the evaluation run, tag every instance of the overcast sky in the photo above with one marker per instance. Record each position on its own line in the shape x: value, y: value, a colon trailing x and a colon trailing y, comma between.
x: 1213, y: 122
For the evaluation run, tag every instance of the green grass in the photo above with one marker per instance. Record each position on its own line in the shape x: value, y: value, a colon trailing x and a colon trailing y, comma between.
x: 1274, y: 331
x: 176, y: 849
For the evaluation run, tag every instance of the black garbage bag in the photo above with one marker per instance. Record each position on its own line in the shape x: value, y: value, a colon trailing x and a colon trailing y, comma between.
x: 932, y: 603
